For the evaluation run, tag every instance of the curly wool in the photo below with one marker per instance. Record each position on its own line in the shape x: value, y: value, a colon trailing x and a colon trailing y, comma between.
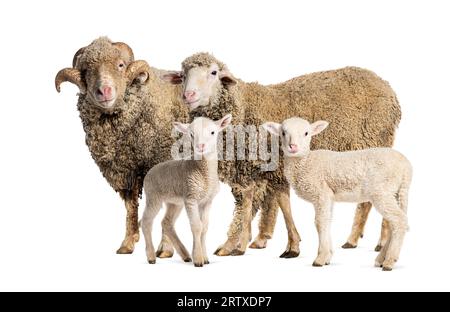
x: 362, y: 109
x: 201, y: 59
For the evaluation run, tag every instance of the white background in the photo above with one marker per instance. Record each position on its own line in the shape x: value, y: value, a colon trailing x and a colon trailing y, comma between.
x: 60, y: 222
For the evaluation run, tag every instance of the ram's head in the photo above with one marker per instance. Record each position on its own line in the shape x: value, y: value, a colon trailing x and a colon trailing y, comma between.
x: 102, y: 71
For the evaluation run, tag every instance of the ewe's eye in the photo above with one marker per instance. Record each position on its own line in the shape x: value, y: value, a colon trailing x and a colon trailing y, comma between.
x: 214, y: 72
x: 121, y: 65
x: 306, y: 133
x: 212, y: 133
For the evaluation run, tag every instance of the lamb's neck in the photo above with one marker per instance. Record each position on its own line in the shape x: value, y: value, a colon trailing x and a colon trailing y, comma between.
x: 295, y: 161
x: 210, y: 165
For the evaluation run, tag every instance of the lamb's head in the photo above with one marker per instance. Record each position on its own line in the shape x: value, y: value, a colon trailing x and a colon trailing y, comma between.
x: 102, y: 71
x: 296, y: 134
x: 203, y: 133
x: 203, y: 76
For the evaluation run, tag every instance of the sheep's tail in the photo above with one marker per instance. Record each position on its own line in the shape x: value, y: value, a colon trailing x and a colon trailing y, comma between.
x: 402, y: 194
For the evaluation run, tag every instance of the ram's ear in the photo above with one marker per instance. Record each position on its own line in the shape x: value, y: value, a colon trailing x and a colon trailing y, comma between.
x: 318, y: 127
x: 272, y: 127
x: 174, y: 77
x: 226, y: 77
x: 181, y: 127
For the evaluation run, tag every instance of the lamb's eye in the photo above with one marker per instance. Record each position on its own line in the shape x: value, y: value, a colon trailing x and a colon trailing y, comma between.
x: 192, y: 135
x: 214, y: 72
x: 212, y: 133
x: 306, y: 133
x: 283, y: 133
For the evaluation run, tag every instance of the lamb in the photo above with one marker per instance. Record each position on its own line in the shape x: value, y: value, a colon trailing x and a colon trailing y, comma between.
x: 193, y: 183
x: 381, y: 176
x: 363, y: 109
x: 127, y: 114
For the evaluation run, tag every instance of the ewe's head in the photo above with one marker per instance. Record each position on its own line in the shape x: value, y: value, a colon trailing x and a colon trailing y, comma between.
x: 296, y: 134
x: 202, y: 77
x: 203, y: 133
x: 102, y: 71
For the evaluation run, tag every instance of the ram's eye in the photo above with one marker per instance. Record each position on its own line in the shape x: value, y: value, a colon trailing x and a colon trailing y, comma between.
x: 214, y: 72
x: 121, y: 65
x: 306, y: 133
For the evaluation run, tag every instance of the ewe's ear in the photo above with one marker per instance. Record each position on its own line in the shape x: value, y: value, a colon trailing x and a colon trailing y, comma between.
x: 272, y: 127
x: 174, y: 77
x: 224, y: 122
x: 318, y: 127
x: 226, y: 77
x: 181, y: 127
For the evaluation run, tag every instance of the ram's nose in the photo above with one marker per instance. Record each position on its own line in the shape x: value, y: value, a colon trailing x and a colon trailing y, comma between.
x: 104, y: 93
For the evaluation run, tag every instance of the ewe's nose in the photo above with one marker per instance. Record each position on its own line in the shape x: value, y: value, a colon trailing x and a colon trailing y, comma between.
x: 189, y: 95
x: 104, y: 93
x: 293, y: 148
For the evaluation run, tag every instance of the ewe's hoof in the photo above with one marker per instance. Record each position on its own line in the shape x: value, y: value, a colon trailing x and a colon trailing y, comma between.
x: 387, y: 269
x: 198, y: 265
x: 318, y: 265
x: 258, y: 244
x: 237, y: 252
x: 347, y: 245
x: 222, y: 252
x: 378, y: 248
x: 290, y: 254
x: 164, y: 254
x: 187, y: 260
x: 151, y: 261
x: 124, y: 250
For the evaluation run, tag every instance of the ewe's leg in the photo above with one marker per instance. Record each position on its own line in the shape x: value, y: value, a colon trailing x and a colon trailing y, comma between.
x: 196, y: 227
x: 384, y: 235
x: 398, y: 223
x: 151, y: 210
x: 293, y: 248
x: 204, y: 217
x: 238, y: 232
x: 323, y: 224
x: 131, y: 198
x: 268, y: 217
x: 168, y: 226
x: 361, y: 215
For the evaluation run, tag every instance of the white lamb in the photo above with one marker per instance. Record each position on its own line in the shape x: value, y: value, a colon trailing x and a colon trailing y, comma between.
x: 381, y: 176
x: 192, y: 183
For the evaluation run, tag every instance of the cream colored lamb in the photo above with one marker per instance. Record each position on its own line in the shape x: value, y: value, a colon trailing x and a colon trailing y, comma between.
x: 378, y: 175
x: 190, y: 183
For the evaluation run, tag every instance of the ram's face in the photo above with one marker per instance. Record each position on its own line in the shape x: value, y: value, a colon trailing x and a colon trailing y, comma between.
x: 201, y: 84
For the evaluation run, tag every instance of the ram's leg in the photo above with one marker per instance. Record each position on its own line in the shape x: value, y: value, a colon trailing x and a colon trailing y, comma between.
x: 238, y: 233
x: 384, y: 235
x: 293, y: 246
x: 361, y: 215
x: 131, y: 199
x: 268, y: 218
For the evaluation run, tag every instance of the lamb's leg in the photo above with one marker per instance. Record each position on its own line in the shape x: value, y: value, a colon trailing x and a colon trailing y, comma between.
x: 131, y: 199
x: 384, y: 235
x: 151, y: 210
x: 398, y: 223
x: 268, y: 217
x: 204, y: 216
x: 293, y: 247
x: 196, y: 227
x: 323, y: 224
x: 165, y: 248
x: 168, y: 226
x: 359, y: 221
x: 238, y: 233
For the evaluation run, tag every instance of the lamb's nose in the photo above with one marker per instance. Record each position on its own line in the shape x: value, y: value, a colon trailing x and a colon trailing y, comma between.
x: 293, y: 147
x: 201, y: 146
x: 189, y: 95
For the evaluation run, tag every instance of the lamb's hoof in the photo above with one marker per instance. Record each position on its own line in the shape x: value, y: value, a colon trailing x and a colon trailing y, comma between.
x: 198, y: 265
x: 206, y: 262
x: 237, y: 252
x: 347, y: 245
x: 124, y: 250
x: 151, y: 261
x: 187, y: 260
x: 361, y: 236
x: 318, y: 265
x: 378, y: 248
x: 387, y: 269
x: 164, y: 254
x: 290, y: 254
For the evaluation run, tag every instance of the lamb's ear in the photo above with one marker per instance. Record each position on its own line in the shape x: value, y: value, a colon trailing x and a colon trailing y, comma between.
x: 181, y: 127
x: 224, y: 122
x: 174, y: 77
x: 226, y: 77
x: 272, y: 127
x: 318, y: 127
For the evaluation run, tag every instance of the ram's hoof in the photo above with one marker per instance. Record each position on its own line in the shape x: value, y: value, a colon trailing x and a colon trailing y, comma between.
x: 290, y: 254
